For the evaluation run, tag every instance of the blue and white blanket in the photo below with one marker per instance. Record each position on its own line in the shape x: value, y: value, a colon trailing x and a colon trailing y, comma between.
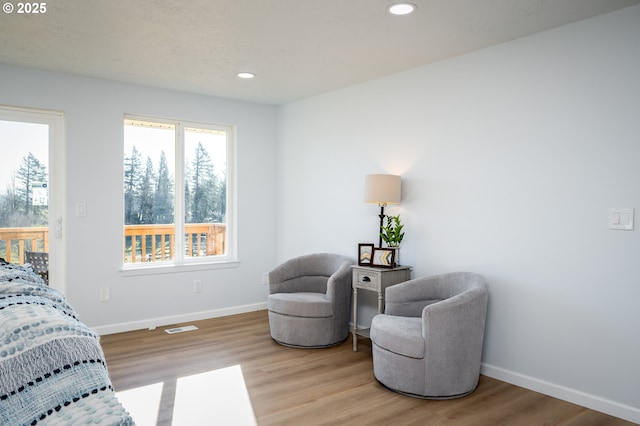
x: 52, y: 368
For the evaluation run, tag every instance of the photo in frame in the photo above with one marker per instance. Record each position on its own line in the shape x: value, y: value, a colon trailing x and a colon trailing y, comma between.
x: 365, y: 254
x: 383, y: 258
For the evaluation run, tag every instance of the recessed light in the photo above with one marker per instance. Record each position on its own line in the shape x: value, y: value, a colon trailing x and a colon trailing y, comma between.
x: 402, y: 8
x: 246, y: 75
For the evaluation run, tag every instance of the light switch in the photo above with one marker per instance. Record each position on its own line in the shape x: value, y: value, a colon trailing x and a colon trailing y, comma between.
x: 621, y: 218
x: 81, y: 209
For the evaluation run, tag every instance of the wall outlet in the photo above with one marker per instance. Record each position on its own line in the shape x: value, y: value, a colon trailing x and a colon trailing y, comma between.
x: 265, y: 278
x: 197, y: 286
x: 105, y: 294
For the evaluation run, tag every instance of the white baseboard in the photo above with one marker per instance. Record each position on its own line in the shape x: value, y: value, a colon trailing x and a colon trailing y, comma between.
x: 175, y: 319
x: 593, y: 402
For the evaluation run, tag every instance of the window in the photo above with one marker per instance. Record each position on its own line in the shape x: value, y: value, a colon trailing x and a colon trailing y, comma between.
x: 178, y: 181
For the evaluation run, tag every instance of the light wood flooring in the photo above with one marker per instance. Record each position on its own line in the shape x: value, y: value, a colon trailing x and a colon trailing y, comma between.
x: 333, y: 386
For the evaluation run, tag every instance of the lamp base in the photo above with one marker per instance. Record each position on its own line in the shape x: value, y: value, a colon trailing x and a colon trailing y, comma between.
x: 381, y: 216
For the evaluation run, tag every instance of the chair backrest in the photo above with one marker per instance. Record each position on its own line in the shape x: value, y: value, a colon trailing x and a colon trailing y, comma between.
x: 305, y: 273
x: 411, y: 297
x: 316, y: 264
x: 454, y: 283
x: 39, y: 261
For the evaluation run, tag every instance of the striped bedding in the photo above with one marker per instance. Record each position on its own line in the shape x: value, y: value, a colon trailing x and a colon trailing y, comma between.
x: 52, y: 368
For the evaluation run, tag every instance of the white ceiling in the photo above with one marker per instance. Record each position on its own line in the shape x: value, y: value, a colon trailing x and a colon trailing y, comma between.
x: 297, y: 48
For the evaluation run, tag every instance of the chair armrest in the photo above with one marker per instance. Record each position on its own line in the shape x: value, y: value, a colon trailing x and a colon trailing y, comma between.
x: 409, y: 298
x: 340, y: 282
x: 456, y: 322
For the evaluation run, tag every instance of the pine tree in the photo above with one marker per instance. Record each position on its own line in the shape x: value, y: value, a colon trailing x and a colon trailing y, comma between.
x: 202, y: 186
x: 132, y: 167
x: 31, y: 172
x: 163, y: 196
x: 146, y: 194
x: 221, y: 200
x: 10, y: 215
x: 188, y: 197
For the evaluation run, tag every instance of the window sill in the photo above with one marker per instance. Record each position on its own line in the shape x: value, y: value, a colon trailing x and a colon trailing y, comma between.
x: 138, y: 270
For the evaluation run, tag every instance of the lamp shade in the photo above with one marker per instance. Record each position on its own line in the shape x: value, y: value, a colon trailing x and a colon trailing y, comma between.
x: 382, y: 189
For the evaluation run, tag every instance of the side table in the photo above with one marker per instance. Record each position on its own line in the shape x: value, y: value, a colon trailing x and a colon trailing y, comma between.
x: 373, y: 279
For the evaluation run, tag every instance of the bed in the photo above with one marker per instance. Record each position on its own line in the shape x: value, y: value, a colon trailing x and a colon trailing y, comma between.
x: 52, y: 368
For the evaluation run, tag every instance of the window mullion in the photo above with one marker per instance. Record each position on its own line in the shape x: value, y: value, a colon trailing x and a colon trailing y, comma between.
x: 179, y: 207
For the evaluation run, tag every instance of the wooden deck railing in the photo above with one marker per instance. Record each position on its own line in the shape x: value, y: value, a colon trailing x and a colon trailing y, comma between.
x: 143, y: 243
x: 15, y: 241
x: 152, y: 243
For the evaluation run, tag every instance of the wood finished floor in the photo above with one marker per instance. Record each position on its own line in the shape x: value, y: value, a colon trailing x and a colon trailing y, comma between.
x: 332, y: 386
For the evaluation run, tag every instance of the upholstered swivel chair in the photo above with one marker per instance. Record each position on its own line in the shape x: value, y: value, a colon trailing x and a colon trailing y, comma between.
x: 309, y: 301
x: 428, y: 343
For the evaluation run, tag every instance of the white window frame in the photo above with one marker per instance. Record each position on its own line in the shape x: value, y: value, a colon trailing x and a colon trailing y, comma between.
x: 181, y: 262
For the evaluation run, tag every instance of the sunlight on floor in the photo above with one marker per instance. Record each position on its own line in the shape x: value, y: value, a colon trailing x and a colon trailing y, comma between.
x: 214, y: 397
x: 143, y: 403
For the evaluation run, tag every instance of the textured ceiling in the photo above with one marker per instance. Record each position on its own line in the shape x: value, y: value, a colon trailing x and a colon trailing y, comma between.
x: 297, y: 48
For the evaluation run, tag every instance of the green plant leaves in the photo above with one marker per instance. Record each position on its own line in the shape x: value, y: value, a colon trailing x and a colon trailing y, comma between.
x: 392, y: 232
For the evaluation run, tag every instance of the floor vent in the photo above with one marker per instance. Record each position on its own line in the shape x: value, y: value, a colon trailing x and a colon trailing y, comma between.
x: 181, y: 329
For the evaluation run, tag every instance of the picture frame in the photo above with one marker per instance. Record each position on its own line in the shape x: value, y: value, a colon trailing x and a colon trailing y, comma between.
x: 383, y: 258
x: 365, y: 254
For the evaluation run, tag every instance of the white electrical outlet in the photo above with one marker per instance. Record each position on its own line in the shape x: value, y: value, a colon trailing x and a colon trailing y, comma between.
x: 265, y: 278
x: 197, y: 286
x: 105, y: 294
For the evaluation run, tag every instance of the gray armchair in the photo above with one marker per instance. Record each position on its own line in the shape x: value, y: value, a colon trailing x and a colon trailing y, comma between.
x: 309, y: 301
x: 428, y: 343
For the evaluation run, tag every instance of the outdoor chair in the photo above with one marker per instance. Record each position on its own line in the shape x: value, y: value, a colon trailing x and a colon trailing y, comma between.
x: 39, y: 262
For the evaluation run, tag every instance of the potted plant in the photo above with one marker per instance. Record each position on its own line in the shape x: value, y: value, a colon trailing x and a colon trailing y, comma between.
x: 392, y: 235
x: 392, y: 232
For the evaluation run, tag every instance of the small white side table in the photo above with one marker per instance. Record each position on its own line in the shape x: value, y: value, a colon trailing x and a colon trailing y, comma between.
x: 373, y: 279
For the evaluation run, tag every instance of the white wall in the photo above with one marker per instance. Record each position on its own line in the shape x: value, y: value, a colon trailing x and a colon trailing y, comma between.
x: 94, y: 111
x: 510, y: 158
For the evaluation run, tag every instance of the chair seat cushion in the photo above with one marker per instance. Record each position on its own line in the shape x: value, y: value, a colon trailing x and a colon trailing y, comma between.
x: 401, y: 335
x: 309, y: 305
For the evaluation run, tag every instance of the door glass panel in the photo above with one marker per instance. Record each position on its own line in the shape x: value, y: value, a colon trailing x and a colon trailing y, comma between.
x: 24, y: 191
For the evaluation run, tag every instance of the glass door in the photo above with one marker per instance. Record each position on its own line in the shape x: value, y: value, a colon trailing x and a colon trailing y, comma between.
x: 30, y: 220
